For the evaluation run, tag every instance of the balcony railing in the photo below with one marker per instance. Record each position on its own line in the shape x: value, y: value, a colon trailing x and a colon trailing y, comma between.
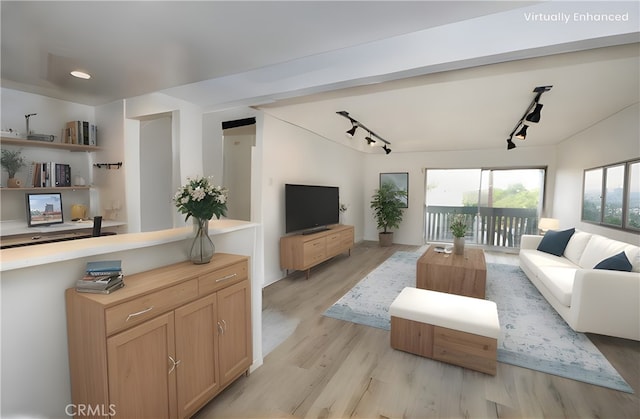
x: 485, y: 226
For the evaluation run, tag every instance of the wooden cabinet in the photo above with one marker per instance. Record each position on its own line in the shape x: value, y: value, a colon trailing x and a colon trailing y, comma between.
x: 164, y: 345
x: 304, y: 251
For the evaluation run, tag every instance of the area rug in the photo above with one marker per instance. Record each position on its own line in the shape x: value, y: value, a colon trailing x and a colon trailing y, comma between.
x: 533, y: 335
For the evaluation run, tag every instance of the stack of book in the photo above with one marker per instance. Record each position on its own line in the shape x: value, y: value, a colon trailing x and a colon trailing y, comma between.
x: 49, y: 175
x: 101, y: 277
x: 80, y: 132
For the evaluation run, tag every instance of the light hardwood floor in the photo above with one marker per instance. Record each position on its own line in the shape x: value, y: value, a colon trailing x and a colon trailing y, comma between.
x: 334, y: 369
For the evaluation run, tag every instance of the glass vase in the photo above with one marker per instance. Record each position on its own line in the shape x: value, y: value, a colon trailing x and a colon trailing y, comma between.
x: 202, y: 248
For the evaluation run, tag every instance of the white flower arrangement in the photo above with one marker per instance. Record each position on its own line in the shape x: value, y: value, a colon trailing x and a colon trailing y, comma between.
x: 199, y: 198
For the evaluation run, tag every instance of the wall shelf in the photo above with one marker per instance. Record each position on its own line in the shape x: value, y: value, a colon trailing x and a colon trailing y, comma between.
x: 57, y: 188
x: 44, y: 144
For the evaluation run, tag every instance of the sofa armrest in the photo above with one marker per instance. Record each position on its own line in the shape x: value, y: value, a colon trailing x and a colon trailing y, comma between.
x: 530, y: 241
x: 606, y: 302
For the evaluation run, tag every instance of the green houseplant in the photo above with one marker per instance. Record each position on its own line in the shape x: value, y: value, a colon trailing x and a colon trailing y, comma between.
x: 12, y: 161
x: 387, y: 205
x: 458, y: 229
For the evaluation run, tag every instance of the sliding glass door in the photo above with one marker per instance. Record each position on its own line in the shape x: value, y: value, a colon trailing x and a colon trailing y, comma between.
x: 500, y: 205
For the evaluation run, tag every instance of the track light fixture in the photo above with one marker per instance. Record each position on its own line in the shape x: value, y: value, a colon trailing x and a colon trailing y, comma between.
x: 530, y: 116
x: 522, y: 134
x: 352, y: 131
x: 355, y: 124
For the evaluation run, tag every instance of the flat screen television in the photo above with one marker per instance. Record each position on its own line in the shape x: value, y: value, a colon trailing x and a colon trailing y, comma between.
x: 44, y: 209
x: 309, y: 207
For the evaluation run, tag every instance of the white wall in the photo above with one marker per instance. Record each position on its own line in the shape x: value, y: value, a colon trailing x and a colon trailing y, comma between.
x: 187, y: 147
x: 612, y: 140
x: 412, y: 226
x: 294, y: 155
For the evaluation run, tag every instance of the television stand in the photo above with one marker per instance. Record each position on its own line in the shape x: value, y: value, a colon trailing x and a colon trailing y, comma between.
x: 304, y: 251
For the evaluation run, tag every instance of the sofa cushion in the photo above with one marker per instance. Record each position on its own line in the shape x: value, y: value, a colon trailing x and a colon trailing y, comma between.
x: 600, y: 247
x: 576, y: 246
x: 559, y: 281
x: 554, y: 242
x: 617, y: 262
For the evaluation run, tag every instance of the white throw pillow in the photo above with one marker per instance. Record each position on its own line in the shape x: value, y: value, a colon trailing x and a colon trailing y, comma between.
x: 575, y: 247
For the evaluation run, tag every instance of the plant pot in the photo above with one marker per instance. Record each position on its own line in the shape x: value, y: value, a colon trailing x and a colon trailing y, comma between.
x: 13, y: 182
x: 458, y: 245
x: 385, y: 239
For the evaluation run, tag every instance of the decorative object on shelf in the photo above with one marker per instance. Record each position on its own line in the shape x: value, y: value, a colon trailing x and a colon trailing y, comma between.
x: 458, y: 228
x: 342, y: 208
x: 108, y: 165
x: 387, y: 202
x: 200, y: 199
x: 12, y: 161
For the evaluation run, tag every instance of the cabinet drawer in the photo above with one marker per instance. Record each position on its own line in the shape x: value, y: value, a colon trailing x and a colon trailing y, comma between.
x: 223, y: 277
x: 150, y: 305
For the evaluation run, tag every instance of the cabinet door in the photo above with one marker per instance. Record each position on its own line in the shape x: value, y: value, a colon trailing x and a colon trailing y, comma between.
x: 235, y: 345
x: 142, y: 381
x: 196, y: 342
x: 314, y: 251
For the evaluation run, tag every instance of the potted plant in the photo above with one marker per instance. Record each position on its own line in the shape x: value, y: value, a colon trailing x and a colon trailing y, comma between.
x: 387, y: 206
x: 458, y: 228
x: 12, y: 161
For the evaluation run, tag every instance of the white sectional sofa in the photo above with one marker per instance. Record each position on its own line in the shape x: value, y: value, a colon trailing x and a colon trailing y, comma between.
x: 592, y: 300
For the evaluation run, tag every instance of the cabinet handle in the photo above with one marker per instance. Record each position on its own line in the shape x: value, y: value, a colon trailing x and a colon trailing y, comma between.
x: 174, y: 364
x: 220, y: 329
x: 224, y: 278
x: 224, y: 324
x: 132, y: 315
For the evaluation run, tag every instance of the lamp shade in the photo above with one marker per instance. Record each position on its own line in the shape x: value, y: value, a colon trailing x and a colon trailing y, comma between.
x: 522, y: 134
x: 546, y: 224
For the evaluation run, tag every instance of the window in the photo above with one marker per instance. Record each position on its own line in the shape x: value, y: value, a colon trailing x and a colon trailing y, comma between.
x: 611, y: 195
x: 500, y: 205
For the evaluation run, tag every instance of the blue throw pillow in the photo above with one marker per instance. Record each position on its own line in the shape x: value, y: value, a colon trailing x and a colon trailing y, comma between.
x: 555, y: 242
x: 618, y: 262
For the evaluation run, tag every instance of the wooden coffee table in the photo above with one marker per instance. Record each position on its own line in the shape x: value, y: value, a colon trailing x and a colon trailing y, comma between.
x: 454, y: 274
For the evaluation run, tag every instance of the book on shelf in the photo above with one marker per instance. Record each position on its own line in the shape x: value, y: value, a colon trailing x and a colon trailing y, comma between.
x: 103, y: 267
x: 80, y: 132
x: 49, y: 175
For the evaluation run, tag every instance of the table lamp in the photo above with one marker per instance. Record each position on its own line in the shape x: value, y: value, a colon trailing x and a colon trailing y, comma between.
x: 546, y: 224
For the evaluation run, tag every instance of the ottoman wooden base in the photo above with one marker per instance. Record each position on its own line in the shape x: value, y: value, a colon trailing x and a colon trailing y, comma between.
x: 450, y: 328
x: 478, y: 353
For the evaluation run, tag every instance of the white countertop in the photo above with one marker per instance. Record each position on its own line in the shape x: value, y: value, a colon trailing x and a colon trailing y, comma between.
x: 26, y: 256
x: 14, y: 227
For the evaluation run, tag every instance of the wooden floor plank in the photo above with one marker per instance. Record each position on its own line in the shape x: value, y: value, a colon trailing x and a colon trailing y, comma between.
x: 332, y: 368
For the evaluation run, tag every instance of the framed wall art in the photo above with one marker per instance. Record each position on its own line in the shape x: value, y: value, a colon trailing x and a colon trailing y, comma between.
x: 400, y: 181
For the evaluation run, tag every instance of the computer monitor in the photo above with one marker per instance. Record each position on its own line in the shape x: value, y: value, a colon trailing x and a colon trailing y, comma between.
x: 44, y: 209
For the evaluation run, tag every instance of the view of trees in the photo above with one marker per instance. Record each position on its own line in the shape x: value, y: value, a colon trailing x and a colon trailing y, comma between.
x: 514, y: 196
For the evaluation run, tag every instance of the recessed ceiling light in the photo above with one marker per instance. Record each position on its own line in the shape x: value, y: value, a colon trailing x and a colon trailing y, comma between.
x: 81, y: 74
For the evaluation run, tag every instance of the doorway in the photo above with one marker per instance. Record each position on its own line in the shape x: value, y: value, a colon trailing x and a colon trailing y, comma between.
x: 156, y: 173
x: 239, y: 140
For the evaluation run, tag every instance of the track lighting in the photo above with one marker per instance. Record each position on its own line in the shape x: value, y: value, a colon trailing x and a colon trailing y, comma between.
x: 535, y: 115
x: 352, y: 131
x: 370, y: 141
x: 522, y: 134
x: 530, y: 116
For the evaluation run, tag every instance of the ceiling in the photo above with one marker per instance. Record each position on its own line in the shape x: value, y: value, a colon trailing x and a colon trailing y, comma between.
x: 182, y: 48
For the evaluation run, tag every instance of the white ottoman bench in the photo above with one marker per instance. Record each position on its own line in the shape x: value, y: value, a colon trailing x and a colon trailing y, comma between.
x: 450, y: 328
